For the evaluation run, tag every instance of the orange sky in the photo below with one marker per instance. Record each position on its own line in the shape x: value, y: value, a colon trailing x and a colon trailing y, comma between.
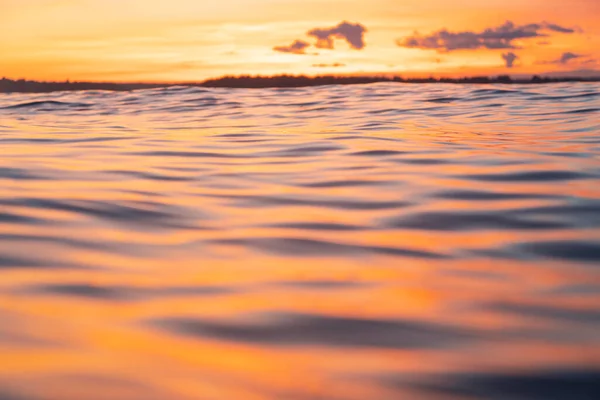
x: 190, y: 40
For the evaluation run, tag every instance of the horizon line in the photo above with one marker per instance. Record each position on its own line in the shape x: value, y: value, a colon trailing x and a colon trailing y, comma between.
x: 22, y: 85
x: 370, y: 75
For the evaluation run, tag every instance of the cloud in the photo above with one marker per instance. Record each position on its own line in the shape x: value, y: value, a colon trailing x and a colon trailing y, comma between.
x: 298, y: 47
x: 509, y: 59
x: 328, y: 65
x: 501, y: 37
x: 354, y: 34
x: 558, y: 28
x: 568, y: 56
x: 564, y: 59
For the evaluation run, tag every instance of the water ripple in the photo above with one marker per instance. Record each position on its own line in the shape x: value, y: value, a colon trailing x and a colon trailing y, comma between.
x: 378, y: 241
x: 310, y: 329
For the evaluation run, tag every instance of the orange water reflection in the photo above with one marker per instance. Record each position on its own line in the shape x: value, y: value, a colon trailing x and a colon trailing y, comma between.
x: 277, y: 250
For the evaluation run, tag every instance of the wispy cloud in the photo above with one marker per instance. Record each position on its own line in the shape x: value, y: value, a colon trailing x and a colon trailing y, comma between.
x: 500, y: 37
x: 568, y: 56
x: 334, y: 65
x: 558, y: 28
x: 298, y: 47
x: 564, y: 59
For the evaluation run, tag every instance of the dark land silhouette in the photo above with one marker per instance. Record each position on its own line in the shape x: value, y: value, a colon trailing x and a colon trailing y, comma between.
x: 276, y: 81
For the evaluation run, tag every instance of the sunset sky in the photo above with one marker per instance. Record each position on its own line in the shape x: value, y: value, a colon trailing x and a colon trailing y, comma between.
x: 190, y: 40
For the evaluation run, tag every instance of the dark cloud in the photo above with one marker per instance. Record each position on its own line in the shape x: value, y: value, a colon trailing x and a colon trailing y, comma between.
x: 564, y: 59
x: 501, y: 37
x: 354, y: 34
x: 329, y: 65
x: 568, y: 56
x: 509, y: 59
x: 298, y: 47
x: 558, y: 28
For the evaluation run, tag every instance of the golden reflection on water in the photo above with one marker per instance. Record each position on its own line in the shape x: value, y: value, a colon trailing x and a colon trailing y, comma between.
x: 278, y: 250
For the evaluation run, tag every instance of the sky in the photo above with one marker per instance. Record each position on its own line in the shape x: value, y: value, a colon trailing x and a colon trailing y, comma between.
x: 191, y: 40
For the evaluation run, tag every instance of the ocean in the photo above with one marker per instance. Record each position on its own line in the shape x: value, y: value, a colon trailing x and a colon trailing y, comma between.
x: 381, y: 241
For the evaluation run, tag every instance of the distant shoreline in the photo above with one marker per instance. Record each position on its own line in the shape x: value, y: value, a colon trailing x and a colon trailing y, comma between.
x: 263, y: 82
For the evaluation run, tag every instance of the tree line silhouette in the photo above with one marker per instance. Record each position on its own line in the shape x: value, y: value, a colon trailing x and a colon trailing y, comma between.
x: 275, y: 81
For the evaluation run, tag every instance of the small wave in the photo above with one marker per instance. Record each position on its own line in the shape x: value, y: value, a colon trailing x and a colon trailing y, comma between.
x: 378, y: 153
x: 122, y: 293
x: 567, y: 97
x: 567, y: 250
x: 47, y: 103
x: 317, y: 226
x: 583, y: 111
x: 258, y: 201
x: 443, y: 100
x: 300, y: 247
x: 540, y: 384
x: 458, y: 221
x: 321, y: 330
x: 497, y: 92
x: 531, y: 176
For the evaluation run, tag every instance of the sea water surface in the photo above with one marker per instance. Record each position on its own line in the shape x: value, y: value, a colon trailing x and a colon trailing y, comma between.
x: 384, y: 241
